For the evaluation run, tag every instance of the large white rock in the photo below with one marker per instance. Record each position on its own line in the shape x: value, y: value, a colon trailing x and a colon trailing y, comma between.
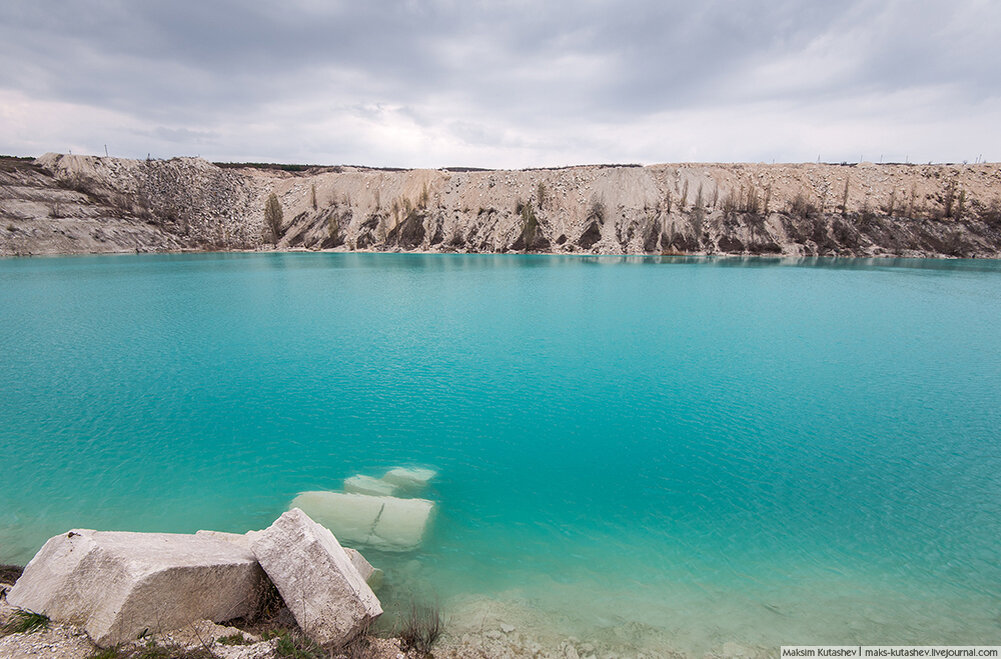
x: 238, y: 538
x: 360, y: 484
x: 118, y: 585
x: 386, y: 523
x: 321, y: 587
x: 412, y: 479
x: 372, y: 575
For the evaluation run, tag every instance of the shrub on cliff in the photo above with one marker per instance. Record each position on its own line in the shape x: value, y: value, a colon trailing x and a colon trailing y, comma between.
x: 802, y: 207
x: 597, y: 210
x: 273, y: 217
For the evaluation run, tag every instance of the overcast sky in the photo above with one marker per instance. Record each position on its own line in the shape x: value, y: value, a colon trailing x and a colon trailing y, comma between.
x: 503, y: 84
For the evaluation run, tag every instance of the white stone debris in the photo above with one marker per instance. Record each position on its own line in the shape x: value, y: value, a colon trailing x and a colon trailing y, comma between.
x: 119, y: 585
x: 316, y: 578
x: 386, y: 523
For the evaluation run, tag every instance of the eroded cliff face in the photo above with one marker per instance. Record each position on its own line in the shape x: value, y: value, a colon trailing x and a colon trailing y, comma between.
x: 76, y: 204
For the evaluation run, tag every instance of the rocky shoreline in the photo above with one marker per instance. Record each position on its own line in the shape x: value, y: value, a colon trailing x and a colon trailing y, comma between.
x: 483, y: 629
x: 291, y: 590
x: 65, y: 204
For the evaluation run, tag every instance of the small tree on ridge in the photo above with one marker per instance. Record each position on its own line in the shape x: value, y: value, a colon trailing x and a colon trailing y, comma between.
x: 273, y: 217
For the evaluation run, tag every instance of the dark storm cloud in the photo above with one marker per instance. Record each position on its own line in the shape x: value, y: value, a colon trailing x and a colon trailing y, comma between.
x: 520, y: 82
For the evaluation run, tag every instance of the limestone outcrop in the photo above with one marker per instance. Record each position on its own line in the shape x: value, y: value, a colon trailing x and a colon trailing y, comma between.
x: 118, y: 585
x: 83, y: 204
x: 380, y: 522
x: 316, y: 578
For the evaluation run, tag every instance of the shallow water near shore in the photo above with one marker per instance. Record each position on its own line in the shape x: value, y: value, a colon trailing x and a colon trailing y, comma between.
x: 694, y: 451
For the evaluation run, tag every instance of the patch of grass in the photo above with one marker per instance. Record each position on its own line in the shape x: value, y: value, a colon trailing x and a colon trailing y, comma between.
x: 153, y: 651
x: 421, y: 629
x: 113, y: 652
x: 294, y: 645
x: 268, y: 634
x: 234, y: 639
x: 23, y: 621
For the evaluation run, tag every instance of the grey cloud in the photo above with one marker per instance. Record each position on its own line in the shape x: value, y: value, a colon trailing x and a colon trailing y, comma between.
x: 498, y: 75
x: 183, y: 135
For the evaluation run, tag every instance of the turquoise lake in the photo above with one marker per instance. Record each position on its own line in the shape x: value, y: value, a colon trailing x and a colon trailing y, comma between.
x: 692, y: 450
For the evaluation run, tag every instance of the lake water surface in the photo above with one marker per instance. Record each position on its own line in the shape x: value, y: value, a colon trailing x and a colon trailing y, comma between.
x: 694, y: 451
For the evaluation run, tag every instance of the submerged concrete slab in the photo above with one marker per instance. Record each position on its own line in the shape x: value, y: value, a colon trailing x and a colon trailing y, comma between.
x: 118, y: 585
x: 360, y: 484
x: 411, y: 479
x: 316, y: 578
x: 386, y: 523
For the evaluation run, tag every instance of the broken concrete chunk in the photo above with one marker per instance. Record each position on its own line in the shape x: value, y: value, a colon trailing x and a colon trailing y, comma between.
x: 413, y: 479
x: 350, y: 517
x: 371, y: 575
x: 321, y: 587
x: 119, y: 585
x: 363, y: 566
x: 367, y: 485
x: 386, y: 523
x: 402, y: 523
